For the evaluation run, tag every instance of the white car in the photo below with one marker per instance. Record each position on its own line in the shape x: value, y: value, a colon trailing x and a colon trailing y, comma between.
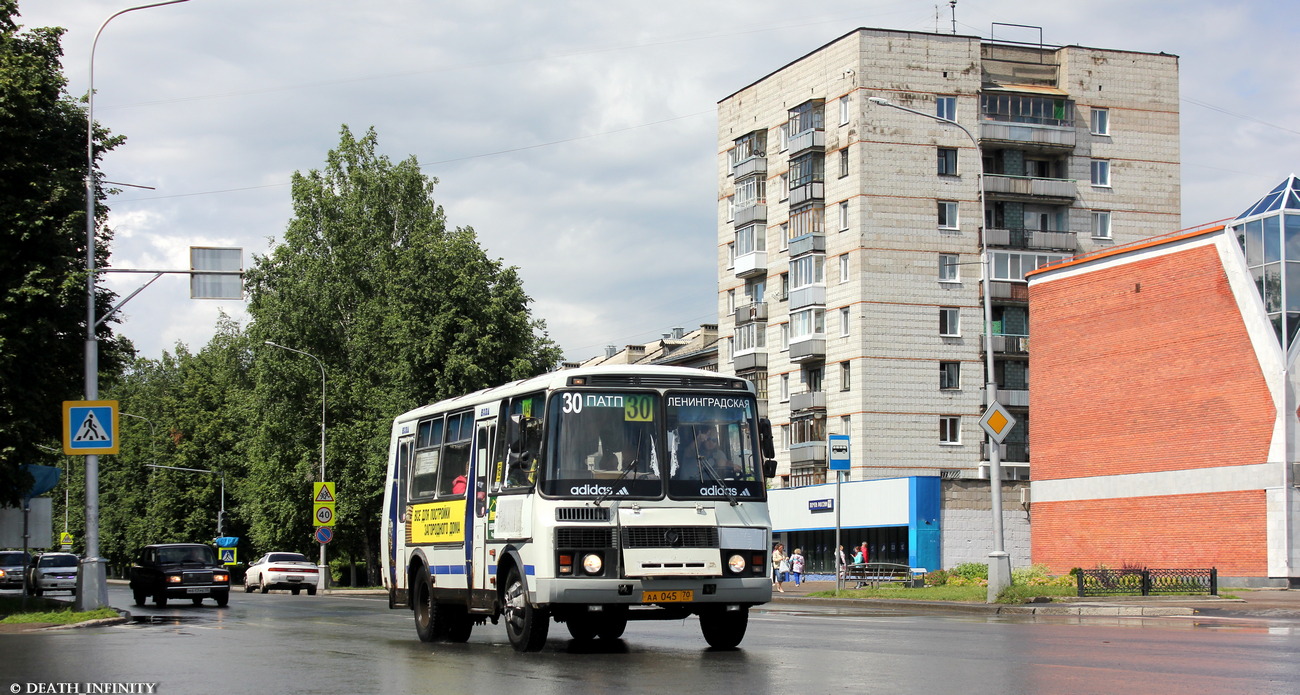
x: 292, y: 571
x: 53, y: 572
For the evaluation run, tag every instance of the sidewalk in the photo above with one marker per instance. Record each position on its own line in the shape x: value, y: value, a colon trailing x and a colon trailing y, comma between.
x: 1259, y: 603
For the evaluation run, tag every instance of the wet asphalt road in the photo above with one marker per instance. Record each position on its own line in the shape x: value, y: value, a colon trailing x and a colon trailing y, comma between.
x: 278, y: 644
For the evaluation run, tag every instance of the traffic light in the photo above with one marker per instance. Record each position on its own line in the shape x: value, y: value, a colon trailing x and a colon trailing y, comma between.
x: 221, y: 522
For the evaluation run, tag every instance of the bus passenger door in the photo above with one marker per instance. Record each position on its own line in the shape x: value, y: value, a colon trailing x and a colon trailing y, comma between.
x: 482, y: 594
x: 396, y: 541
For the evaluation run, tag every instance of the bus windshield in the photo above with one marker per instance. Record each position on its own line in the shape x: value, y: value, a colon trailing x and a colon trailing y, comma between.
x: 713, y: 447
x: 604, y: 444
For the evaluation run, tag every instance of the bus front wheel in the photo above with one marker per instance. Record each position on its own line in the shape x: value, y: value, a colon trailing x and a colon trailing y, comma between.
x: 428, y: 623
x: 724, y: 629
x: 526, y: 625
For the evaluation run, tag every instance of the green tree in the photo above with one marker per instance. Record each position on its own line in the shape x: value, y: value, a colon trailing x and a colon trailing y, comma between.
x: 42, y: 234
x: 399, y: 309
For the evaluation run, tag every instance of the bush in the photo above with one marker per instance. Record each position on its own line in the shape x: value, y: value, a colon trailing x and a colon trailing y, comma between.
x: 936, y: 578
x: 971, y: 571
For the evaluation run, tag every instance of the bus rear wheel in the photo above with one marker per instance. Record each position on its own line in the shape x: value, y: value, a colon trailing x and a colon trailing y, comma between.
x: 526, y: 625
x: 724, y: 629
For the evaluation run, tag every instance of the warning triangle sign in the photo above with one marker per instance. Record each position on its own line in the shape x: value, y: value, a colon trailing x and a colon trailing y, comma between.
x: 324, y: 493
x: 91, y: 430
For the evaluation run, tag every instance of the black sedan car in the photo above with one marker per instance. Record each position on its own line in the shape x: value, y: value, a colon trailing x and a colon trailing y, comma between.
x: 179, y: 570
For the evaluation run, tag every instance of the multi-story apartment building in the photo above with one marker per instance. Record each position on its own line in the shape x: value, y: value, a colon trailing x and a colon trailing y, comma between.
x: 850, y: 234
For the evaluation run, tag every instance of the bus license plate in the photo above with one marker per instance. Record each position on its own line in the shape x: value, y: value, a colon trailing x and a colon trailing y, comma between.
x: 678, y: 596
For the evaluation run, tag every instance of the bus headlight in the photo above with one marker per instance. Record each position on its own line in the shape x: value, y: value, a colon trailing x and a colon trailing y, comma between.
x: 736, y: 563
x: 593, y: 563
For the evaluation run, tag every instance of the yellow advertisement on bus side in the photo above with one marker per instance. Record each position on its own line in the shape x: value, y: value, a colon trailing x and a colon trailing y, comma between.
x: 438, y: 522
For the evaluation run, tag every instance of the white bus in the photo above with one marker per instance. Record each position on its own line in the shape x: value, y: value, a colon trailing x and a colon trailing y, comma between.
x: 588, y: 496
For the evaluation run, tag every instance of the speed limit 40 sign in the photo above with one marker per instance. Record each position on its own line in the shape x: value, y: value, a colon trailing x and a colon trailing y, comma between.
x: 324, y: 514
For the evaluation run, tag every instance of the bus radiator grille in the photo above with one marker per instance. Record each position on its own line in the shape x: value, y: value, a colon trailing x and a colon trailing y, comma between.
x: 584, y: 537
x: 582, y: 514
x: 670, y: 537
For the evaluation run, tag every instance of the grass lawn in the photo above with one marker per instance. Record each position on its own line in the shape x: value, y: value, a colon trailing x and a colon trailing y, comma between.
x: 13, y: 610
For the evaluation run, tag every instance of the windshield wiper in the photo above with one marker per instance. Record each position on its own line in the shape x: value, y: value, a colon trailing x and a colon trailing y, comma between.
x: 620, y: 477
x: 707, y: 465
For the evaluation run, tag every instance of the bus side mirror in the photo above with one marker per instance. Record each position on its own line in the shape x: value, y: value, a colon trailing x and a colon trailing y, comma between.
x: 768, y: 448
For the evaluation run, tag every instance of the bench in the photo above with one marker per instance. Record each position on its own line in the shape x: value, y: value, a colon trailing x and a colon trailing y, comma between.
x: 877, y: 573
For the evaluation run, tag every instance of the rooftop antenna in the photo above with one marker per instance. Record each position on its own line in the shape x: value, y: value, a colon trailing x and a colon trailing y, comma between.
x: 953, y: 5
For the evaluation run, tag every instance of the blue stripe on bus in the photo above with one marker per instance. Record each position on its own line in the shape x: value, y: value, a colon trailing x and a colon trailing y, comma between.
x: 447, y: 569
x: 529, y: 570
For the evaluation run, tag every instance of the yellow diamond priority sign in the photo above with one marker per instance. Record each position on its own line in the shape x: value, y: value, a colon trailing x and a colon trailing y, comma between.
x: 997, y: 422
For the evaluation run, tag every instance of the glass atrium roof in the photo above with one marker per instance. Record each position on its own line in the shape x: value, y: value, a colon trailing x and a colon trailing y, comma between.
x: 1285, y: 197
x: 1269, y: 235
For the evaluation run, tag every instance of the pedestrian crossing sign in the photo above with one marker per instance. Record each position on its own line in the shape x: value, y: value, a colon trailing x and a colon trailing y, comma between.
x: 90, y: 427
x: 227, y: 555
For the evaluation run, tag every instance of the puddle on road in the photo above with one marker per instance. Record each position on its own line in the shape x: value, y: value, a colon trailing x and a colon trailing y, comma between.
x: 168, y: 620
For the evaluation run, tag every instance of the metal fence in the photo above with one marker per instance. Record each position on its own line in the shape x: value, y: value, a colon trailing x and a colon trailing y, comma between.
x: 1147, y: 582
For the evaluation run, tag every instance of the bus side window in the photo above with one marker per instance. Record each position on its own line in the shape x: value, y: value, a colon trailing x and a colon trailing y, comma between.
x: 483, y: 459
x: 424, y: 476
x: 522, y: 441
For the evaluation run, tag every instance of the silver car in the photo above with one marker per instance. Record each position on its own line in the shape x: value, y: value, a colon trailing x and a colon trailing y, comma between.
x: 53, y: 572
x: 12, y: 564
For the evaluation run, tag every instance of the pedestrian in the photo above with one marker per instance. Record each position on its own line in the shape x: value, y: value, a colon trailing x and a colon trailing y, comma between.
x: 866, y: 552
x: 796, y: 566
x: 780, y: 565
x: 839, y: 558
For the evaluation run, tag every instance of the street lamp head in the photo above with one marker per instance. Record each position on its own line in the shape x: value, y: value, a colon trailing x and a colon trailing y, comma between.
x: 879, y: 100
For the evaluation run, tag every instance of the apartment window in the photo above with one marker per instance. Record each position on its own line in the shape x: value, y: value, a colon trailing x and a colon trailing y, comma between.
x: 785, y: 139
x: 844, y: 216
x: 1100, y: 122
x: 844, y: 110
x: 731, y: 301
x: 949, y: 321
x: 1100, y: 224
x: 844, y: 321
x: 809, y: 220
x: 1101, y: 173
x: 846, y: 381
x: 751, y: 238
x: 807, y: 168
x: 846, y: 425
x: 947, y: 161
x: 731, y: 254
x: 731, y: 348
x: 785, y: 287
x: 785, y: 437
x: 844, y: 162
x: 807, y: 323
x: 1012, y: 265
x: 949, y: 265
x: 731, y: 208
x: 808, y: 270
x: 785, y: 387
x: 785, y: 186
x: 844, y: 268
x: 750, y: 337
x: 751, y: 192
x: 946, y: 107
x: 785, y: 336
x: 760, y: 385
x: 947, y: 214
x: 950, y: 429
x: 949, y: 375
x: 785, y: 235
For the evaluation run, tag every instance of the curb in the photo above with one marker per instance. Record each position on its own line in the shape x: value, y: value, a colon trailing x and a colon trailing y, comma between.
x: 1078, y: 609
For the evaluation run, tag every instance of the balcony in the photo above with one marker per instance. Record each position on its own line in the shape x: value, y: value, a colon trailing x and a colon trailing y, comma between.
x: 750, y: 166
x: 750, y: 361
x: 1033, y: 239
x: 1014, y: 452
x: 808, y: 452
x: 807, y: 349
x: 1048, y: 136
x: 808, y: 139
x: 750, y: 313
x: 751, y: 264
x: 807, y: 243
x: 809, y: 191
x: 1007, y: 344
x: 1030, y: 187
x: 1009, y: 292
x: 808, y: 400
x: 1016, y: 398
x: 750, y: 214
x: 811, y: 295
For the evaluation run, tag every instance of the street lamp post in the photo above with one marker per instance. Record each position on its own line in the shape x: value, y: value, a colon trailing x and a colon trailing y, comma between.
x: 92, y: 579
x: 999, y: 560
x: 324, y: 568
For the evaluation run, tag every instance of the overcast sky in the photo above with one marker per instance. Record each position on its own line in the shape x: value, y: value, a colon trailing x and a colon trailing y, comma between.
x: 578, y: 138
